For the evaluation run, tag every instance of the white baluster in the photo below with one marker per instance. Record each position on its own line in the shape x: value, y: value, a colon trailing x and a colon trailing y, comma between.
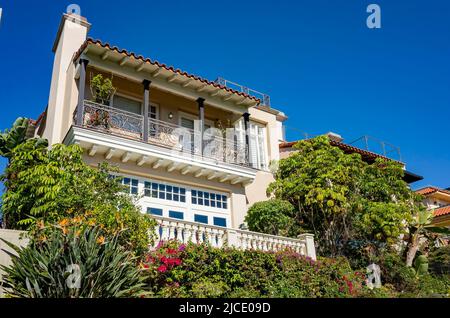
x: 194, y: 234
x: 164, y: 231
x: 210, y: 236
x: 158, y: 235
x: 180, y: 228
x: 187, y: 234
x: 220, y: 235
x: 171, y: 231
x: 200, y: 234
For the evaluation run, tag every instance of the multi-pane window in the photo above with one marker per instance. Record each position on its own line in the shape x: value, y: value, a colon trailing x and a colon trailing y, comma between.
x: 258, y: 146
x: 210, y: 199
x: 164, y: 191
x: 131, y: 185
x: 257, y: 142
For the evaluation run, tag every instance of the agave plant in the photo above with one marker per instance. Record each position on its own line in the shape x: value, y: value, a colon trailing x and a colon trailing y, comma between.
x: 72, y: 264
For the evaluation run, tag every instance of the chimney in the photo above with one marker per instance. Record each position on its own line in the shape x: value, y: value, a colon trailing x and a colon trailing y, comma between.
x: 72, y: 33
x: 335, y: 137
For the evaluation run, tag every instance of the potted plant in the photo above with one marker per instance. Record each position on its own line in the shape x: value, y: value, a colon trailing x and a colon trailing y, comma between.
x: 102, y: 89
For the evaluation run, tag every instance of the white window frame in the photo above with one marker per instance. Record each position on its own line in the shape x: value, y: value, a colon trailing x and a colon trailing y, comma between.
x: 188, y: 209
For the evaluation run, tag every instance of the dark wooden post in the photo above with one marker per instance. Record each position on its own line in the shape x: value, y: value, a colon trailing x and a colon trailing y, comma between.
x: 81, y: 91
x: 146, y: 84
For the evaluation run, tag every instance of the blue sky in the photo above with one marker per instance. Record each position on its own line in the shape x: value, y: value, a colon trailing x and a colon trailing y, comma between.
x: 317, y: 60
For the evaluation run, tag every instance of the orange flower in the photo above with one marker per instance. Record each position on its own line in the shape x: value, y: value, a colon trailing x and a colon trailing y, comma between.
x: 40, y: 224
x: 101, y: 239
x: 64, y: 222
x: 77, y: 219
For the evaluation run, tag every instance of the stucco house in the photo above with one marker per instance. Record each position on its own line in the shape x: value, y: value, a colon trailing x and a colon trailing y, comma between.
x: 157, y: 127
x: 437, y: 200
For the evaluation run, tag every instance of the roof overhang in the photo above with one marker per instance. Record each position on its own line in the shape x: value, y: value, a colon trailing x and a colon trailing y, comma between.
x: 128, y: 64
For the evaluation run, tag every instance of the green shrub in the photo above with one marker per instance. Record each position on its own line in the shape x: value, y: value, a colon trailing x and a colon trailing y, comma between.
x: 49, y: 267
x: 271, y: 217
x: 177, y: 270
x: 439, y: 261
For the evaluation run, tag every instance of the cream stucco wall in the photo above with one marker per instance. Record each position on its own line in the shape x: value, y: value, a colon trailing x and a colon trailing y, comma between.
x: 12, y: 236
x: 71, y: 36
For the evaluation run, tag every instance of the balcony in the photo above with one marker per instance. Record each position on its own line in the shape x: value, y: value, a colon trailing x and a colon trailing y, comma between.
x: 183, y: 231
x: 164, y: 145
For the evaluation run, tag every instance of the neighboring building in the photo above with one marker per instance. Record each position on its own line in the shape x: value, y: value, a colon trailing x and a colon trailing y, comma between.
x: 286, y: 148
x: 211, y: 182
x: 437, y: 200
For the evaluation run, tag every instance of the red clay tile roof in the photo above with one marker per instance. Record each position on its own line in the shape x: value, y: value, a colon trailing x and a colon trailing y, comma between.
x: 431, y: 190
x: 442, y: 211
x: 156, y: 63
x: 367, y: 155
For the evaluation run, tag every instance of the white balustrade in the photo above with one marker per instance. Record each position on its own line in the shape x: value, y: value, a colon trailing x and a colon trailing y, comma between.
x: 197, y: 233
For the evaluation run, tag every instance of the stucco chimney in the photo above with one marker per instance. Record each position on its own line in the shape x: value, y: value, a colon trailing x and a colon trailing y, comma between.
x: 72, y: 33
x: 335, y: 137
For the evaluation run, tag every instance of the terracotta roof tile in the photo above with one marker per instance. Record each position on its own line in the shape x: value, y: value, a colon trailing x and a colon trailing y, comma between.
x: 442, y: 211
x: 367, y: 155
x: 431, y: 190
x: 162, y: 65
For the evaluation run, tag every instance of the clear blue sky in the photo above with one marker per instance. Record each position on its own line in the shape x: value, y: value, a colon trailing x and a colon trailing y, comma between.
x: 317, y: 59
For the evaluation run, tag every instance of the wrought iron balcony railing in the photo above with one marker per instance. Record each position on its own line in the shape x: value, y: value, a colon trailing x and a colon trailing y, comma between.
x: 177, y: 138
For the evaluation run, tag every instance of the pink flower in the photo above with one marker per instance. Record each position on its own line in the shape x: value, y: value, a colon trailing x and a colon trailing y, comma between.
x: 171, y: 251
x: 162, y: 269
x: 182, y: 247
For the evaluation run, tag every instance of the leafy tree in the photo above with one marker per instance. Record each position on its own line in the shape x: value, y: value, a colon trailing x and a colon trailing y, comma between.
x: 271, y: 217
x: 21, y: 131
x: 341, y: 198
x: 51, y: 185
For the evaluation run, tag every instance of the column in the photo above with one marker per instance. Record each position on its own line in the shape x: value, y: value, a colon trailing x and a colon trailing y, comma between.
x: 81, y: 91
x: 201, y: 118
x: 248, y: 156
x: 146, y: 84
x: 310, y: 246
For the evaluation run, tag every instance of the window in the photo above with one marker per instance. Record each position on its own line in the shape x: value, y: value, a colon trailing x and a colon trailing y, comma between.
x: 201, y: 218
x: 131, y: 185
x: 164, y: 191
x: 127, y: 104
x: 155, y: 211
x: 220, y: 222
x: 258, y: 146
x: 209, y: 199
x: 152, y: 112
x: 176, y: 215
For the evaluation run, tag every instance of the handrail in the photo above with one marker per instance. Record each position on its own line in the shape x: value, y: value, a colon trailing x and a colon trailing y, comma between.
x: 163, y: 134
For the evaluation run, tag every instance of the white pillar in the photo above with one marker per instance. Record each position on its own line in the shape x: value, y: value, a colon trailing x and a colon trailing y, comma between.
x: 310, y: 247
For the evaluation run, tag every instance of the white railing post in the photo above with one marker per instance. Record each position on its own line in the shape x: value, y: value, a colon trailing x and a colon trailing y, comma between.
x: 232, y: 238
x: 309, y: 244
